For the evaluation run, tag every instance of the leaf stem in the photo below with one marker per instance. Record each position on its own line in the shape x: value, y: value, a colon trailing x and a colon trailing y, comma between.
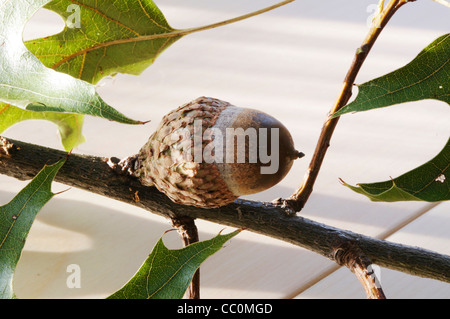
x: 350, y: 255
x: 298, y: 200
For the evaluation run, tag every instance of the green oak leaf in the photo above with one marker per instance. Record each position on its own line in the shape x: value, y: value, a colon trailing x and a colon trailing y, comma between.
x: 425, y: 77
x: 27, y: 83
x: 111, y: 37
x: 166, y: 274
x: 429, y: 182
x: 16, y: 219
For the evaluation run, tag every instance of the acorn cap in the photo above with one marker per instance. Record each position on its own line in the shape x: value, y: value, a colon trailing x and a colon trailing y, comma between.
x: 188, y: 158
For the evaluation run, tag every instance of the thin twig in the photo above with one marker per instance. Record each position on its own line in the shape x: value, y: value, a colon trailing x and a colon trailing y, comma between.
x: 188, y: 232
x: 298, y: 200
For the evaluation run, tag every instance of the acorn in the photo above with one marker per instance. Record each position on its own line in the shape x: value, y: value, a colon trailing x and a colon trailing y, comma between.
x: 207, y: 153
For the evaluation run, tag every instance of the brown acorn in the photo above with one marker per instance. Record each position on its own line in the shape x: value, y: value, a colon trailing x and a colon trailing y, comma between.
x: 207, y: 153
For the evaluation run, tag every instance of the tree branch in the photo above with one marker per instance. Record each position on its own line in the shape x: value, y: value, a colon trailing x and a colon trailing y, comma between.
x: 298, y: 200
x: 23, y: 161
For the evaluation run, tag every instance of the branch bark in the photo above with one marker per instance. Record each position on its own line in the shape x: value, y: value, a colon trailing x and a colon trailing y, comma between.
x: 23, y: 161
x: 189, y: 234
x: 298, y: 200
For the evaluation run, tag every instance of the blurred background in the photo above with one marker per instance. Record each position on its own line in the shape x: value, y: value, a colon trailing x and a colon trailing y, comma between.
x: 289, y: 63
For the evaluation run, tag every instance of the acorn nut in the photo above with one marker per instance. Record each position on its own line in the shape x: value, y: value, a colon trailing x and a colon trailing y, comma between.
x: 207, y: 153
